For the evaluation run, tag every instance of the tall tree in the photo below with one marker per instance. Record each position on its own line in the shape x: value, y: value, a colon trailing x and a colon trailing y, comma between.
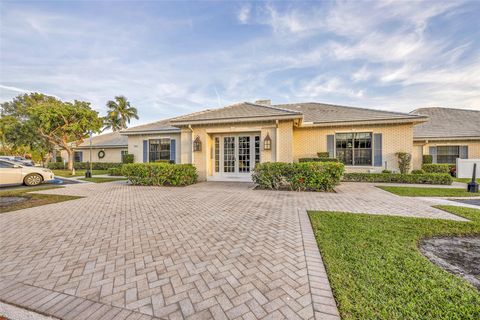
x: 112, y: 121
x: 18, y: 135
x: 120, y: 112
x: 41, y: 121
x: 65, y: 124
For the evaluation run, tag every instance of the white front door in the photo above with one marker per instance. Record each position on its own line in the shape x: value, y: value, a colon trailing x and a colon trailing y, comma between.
x: 235, y: 156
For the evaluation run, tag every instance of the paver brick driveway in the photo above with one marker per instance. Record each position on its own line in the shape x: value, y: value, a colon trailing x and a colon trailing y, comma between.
x: 212, y: 250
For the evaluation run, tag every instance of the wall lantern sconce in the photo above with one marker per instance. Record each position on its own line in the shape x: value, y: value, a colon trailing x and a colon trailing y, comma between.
x: 267, y: 143
x: 197, y: 144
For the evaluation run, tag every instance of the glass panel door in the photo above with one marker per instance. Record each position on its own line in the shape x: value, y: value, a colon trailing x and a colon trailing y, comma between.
x: 229, y: 154
x: 244, y: 154
x: 217, y: 154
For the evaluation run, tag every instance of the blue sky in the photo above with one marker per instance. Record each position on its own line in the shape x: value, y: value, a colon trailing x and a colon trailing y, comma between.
x: 170, y: 58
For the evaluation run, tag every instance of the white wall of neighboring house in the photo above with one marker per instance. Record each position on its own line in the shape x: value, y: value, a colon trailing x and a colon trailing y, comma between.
x: 111, y: 154
x: 465, y: 168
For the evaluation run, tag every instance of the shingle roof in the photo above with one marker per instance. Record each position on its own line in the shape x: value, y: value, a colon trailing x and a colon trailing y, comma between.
x: 162, y: 125
x: 318, y: 113
x: 238, y: 112
x: 112, y: 140
x: 447, y: 123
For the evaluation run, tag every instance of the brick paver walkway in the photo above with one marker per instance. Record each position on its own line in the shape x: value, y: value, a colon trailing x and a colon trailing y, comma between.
x: 212, y: 250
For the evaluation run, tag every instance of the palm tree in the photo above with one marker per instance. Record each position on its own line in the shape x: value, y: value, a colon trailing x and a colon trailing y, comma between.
x: 119, y: 113
x: 111, y: 121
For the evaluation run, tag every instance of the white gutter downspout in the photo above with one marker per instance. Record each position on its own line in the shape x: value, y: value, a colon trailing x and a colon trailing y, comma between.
x: 191, y: 143
x: 277, y: 151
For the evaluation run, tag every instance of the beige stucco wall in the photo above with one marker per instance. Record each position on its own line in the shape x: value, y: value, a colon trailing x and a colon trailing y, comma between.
x: 473, y: 148
x: 307, y: 142
x: 204, y: 159
x: 111, y: 154
x: 135, y: 145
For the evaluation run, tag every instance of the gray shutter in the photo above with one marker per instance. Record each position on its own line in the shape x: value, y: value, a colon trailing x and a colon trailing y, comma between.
x: 463, y: 152
x: 80, y: 153
x: 172, y: 150
x: 331, y: 145
x: 145, y: 150
x: 377, y: 151
x: 433, y: 152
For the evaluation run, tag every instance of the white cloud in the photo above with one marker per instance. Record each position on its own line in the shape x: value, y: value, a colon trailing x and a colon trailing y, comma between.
x: 324, y: 86
x: 343, y: 54
x: 244, y: 14
x: 361, y: 74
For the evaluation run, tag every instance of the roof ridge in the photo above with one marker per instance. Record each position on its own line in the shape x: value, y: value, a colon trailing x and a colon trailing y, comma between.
x: 274, y: 107
x: 206, y: 110
x: 445, y: 108
x: 350, y: 107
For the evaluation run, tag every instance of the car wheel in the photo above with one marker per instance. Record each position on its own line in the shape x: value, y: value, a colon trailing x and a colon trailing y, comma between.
x: 33, y: 179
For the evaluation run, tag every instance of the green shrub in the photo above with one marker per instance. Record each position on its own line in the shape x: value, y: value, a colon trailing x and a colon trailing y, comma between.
x: 323, y: 154
x: 318, y: 160
x: 85, y: 165
x: 404, y: 160
x: 436, y: 168
x: 418, y: 171
x: 128, y: 158
x: 160, y: 174
x: 117, y: 171
x: 386, y: 171
x: 311, y: 176
x: 426, y: 178
x: 427, y: 159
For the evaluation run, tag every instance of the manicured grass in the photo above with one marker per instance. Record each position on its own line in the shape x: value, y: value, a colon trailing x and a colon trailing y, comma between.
x: 377, y: 272
x: 465, y: 180
x: 428, y: 192
x: 33, y: 200
x: 102, y: 180
x: 78, y: 173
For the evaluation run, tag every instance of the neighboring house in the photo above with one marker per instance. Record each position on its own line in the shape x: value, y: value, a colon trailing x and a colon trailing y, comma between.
x: 449, y: 134
x: 226, y: 143
x: 108, y: 147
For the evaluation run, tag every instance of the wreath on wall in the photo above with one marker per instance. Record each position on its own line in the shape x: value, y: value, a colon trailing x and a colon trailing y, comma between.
x: 101, y: 154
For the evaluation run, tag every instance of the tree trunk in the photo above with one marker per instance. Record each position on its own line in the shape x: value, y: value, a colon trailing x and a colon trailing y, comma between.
x: 48, y: 157
x: 70, y: 153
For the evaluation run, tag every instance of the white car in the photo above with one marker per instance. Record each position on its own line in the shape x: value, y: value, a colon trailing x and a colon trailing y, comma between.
x: 21, y: 160
x: 12, y: 173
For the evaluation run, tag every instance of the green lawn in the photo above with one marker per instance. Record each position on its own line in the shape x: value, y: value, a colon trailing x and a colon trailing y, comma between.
x: 465, y: 180
x: 102, y: 180
x: 428, y: 192
x: 377, y: 272
x: 33, y: 200
x: 78, y: 173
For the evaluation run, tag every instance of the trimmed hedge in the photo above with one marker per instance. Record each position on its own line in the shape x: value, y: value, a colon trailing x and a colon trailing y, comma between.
x: 115, y: 171
x: 323, y: 154
x: 427, y: 159
x: 128, y: 158
x: 427, y: 178
x: 418, y: 172
x: 160, y: 174
x: 318, y: 160
x: 85, y: 165
x: 436, y: 168
x: 305, y: 176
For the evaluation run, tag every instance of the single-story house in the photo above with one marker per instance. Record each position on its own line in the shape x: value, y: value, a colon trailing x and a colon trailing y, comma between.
x: 108, y: 147
x: 226, y: 143
x: 449, y: 134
